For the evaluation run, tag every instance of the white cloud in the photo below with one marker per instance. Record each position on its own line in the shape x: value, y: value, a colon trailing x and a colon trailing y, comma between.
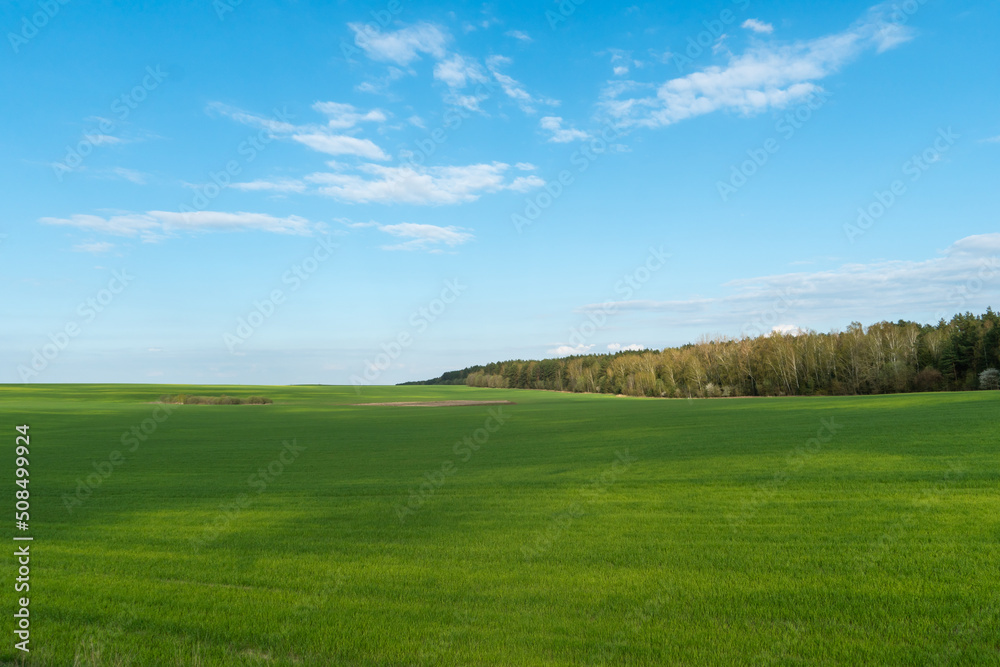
x: 130, y: 175
x: 127, y: 224
x: 525, y: 166
x: 154, y: 225
x: 457, y: 72
x: 966, y: 276
x: 767, y: 76
x: 513, y: 88
x: 787, y: 330
x: 94, y: 246
x: 561, y: 135
x: 318, y: 137
x: 425, y: 237
x: 517, y: 34
x: 758, y: 26
x: 526, y: 183
x: 100, y: 139
x: 620, y: 70
x: 414, y: 185
x: 992, y: 140
x: 380, y: 85
x: 232, y: 222
x: 253, y: 120
x: 343, y: 116
x: 277, y: 185
x: 617, y: 347
x: 401, y: 46
x: 570, y: 350
x: 341, y: 144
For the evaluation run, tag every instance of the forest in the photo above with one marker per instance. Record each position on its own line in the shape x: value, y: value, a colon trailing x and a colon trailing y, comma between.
x: 887, y: 357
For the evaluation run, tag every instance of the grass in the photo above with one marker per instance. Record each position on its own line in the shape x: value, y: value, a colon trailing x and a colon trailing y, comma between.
x: 586, y: 529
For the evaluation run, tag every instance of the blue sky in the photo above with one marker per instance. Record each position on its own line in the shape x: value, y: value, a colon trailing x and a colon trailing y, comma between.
x: 254, y: 192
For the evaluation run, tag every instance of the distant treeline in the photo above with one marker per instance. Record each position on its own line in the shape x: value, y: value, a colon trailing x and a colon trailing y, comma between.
x: 883, y: 358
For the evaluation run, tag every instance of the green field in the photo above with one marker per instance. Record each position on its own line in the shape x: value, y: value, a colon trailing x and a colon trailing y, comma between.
x: 584, y: 530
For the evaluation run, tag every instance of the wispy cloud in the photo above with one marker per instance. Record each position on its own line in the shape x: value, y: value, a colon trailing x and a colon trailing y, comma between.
x: 418, y: 236
x: 758, y: 26
x: 253, y: 120
x: 130, y: 175
x: 154, y: 225
x: 457, y: 72
x: 849, y: 292
x: 402, y: 46
x: 340, y: 144
x: 519, y: 35
x: 96, y: 247
x: 513, y: 88
x: 767, y: 76
x: 277, y: 185
x: 416, y: 185
x: 101, y: 139
x: 425, y: 237
x: 560, y: 134
x: 315, y: 136
x: 343, y: 116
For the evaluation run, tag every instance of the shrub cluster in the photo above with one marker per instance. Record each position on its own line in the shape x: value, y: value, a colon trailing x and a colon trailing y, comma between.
x: 215, y: 400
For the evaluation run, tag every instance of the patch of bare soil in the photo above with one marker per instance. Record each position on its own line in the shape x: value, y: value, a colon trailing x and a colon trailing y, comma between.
x: 438, y: 404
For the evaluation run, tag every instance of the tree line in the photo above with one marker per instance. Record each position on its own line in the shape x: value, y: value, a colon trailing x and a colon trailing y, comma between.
x: 882, y: 358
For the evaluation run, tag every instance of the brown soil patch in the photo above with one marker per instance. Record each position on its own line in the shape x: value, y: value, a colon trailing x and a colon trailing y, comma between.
x: 438, y: 404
